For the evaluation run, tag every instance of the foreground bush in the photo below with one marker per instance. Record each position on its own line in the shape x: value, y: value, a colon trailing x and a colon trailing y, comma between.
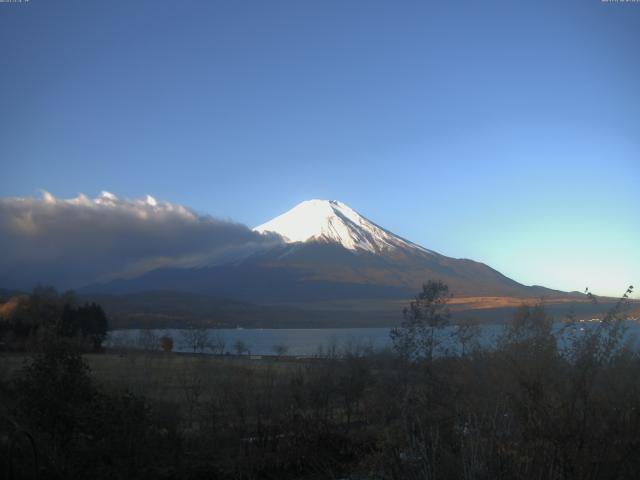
x: 78, y: 430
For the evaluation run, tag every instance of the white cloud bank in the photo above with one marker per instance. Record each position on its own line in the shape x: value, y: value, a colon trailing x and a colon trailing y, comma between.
x: 73, y: 242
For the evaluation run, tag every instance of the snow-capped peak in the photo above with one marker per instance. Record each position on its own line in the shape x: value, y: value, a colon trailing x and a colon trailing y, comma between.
x: 333, y: 221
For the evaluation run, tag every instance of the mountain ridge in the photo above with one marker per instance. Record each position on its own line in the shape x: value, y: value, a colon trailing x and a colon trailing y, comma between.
x: 330, y: 251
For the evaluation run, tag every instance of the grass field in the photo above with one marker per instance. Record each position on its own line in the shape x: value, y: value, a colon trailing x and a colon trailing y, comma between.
x: 166, y: 377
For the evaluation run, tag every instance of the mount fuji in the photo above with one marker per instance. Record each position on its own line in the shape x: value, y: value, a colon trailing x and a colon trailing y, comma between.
x: 331, y: 221
x: 329, y: 252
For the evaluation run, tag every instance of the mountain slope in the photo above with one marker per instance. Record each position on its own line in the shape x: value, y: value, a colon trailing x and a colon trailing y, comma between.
x: 330, y: 252
x: 336, y: 243
x: 406, y: 270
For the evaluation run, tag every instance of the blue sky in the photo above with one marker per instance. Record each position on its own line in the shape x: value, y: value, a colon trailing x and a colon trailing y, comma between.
x: 507, y: 132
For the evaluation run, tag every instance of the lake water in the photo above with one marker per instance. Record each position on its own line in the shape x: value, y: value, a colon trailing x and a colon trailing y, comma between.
x: 314, y: 341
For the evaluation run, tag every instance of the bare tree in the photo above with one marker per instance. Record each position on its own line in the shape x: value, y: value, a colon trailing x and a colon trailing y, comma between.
x: 195, y: 338
x: 148, y: 340
x: 240, y: 347
x: 467, y: 335
x: 280, y: 349
x: 193, y: 387
x: 217, y: 343
x: 425, y: 316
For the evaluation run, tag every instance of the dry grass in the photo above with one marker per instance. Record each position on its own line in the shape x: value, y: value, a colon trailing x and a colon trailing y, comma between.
x: 480, y: 303
x: 161, y: 376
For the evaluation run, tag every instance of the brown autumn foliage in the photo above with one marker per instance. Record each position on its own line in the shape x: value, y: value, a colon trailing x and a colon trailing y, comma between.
x: 166, y: 343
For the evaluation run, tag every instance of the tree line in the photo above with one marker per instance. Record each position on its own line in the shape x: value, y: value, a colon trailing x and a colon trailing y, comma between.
x: 29, y: 321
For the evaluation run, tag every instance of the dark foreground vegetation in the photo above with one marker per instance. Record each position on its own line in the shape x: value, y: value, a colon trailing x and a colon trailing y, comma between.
x: 524, y: 410
x: 29, y: 322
